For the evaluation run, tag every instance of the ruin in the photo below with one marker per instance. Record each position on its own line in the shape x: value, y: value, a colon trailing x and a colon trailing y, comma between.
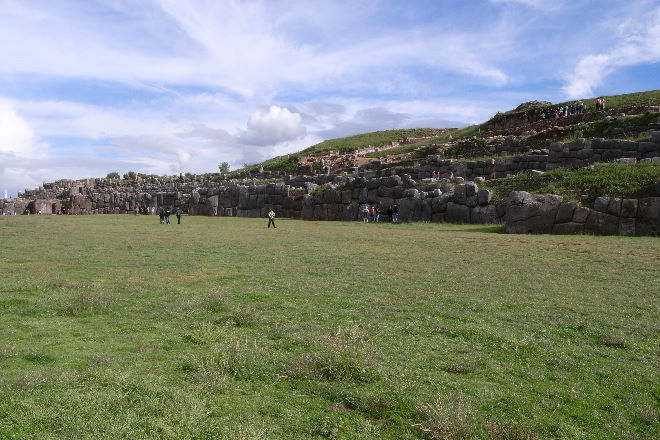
x: 336, y: 187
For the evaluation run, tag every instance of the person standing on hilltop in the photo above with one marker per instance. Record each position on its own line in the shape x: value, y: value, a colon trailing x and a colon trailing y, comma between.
x: 271, y: 218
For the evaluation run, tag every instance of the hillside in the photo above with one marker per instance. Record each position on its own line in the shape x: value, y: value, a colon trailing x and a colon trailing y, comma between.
x: 525, y: 128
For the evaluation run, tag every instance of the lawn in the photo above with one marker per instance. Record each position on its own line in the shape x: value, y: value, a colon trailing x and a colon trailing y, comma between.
x: 219, y: 328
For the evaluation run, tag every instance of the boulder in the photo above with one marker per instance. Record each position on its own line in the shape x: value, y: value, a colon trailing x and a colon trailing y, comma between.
x: 527, y: 213
x: 648, y: 217
x: 600, y: 223
x: 457, y: 213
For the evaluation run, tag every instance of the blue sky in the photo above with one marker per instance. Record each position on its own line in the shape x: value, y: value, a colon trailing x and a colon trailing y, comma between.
x: 169, y: 86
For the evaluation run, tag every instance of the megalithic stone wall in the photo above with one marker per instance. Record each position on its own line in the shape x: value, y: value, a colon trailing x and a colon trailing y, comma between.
x: 546, y: 214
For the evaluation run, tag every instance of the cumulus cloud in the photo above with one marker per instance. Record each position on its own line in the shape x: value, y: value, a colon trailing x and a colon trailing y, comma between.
x: 275, y: 126
x: 16, y: 135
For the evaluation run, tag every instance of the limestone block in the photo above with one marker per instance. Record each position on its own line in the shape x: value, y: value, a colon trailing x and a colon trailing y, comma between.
x: 439, y: 204
x: 471, y: 201
x: 648, y: 216
x: 411, y: 192
x: 627, y: 226
x: 600, y: 223
x: 457, y: 213
x: 565, y: 212
x: 484, y: 196
x: 581, y: 214
x: 471, y: 189
x: 484, y: 214
x: 614, y: 207
x: 460, y: 195
x: 601, y: 204
x: 528, y: 213
x: 410, y: 209
x: 426, y: 212
x: 568, y: 228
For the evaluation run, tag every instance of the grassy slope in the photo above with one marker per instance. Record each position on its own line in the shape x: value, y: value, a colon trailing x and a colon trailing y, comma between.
x: 117, y: 327
x: 607, y: 179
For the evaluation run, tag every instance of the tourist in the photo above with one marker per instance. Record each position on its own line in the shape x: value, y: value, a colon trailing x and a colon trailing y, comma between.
x: 365, y: 214
x: 372, y: 213
x: 167, y: 215
x: 161, y: 215
x: 178, y: 216
x: 271, y: 218
x: 376, y: 214
x: 395, y: 213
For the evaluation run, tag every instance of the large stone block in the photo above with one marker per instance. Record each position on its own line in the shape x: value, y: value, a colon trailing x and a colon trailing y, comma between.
x: 484, y: 196
x: 484, y: 214
x: 565, y: 212
x: 600, y: 223
x: 439, y: 204
x: 457, y: 213
x: 627, y: 226
x: 601, y: 204
x: 648, y: 216
x: 528, y: 213
x: 460, y: 195
x: 568, y: 228
x: 614, y: 207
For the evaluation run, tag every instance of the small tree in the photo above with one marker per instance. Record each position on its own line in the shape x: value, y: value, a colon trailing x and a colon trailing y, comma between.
x: 224, y: 167
x: 130, y: 175
x: 112, y: 175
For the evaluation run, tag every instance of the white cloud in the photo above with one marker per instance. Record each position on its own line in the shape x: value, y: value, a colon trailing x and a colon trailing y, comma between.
x: 277, y: 125
x: 636, y: 42
x: 16, y: 135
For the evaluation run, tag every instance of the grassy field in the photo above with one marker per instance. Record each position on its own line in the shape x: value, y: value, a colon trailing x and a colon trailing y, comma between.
x: 218, y: 328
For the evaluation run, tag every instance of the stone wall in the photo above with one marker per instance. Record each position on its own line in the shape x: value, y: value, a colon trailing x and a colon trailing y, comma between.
x: 549, y: 214
x: 431, y: 202
x: 576, y: 154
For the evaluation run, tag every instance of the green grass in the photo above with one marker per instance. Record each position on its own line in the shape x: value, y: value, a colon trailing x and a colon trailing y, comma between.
x: 219, y: 328
x: 605, y: 179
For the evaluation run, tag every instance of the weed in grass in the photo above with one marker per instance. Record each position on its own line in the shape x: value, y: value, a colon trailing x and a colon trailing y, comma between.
x: 85, y: 303
x: 245, y: 360
x: 215, y: 302
x: 450, y: 418
x: 460, y: 367
x: 509, y: 431
x: 614, y: 341
x: 328, y: 427
x: 245, y: 317
x: 8, y: 351
x: 345, y: 356
x: 200, y: 334
x: 38, y: 358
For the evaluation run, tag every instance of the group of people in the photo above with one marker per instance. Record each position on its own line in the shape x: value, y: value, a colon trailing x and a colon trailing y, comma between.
x: 164, y: 215
x: 576, y: 108
x: 371, y: 213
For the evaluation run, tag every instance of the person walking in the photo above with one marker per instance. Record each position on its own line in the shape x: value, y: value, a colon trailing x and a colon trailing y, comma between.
x: 167, y: 215
x: 271, y: 218
x: 161, y: 215
x: 178, y: 216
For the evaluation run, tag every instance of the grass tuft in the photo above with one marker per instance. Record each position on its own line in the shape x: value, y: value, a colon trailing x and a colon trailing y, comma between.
x: 345, y: 356
x: 39, y: 358
x: 460, y: 367
x: 614, y: 341
x: 450, y: 418
x: 509, y: 431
